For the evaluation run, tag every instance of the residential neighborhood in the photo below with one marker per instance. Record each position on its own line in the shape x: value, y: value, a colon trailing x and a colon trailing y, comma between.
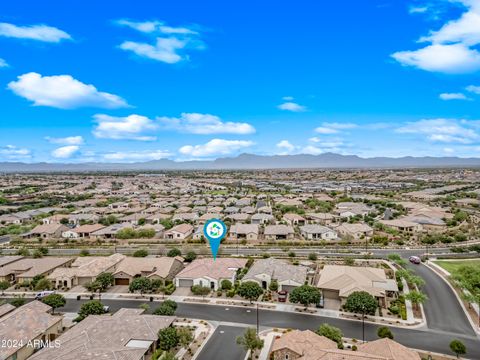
x: 119, y: 247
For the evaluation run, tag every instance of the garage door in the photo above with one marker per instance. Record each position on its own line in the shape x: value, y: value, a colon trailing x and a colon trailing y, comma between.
x: 288, y: 288
x: 122, y: 281
x: 185, y: 283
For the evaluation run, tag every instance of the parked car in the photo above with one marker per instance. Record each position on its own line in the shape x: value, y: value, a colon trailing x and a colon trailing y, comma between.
x: 282, y: 296
x: 415, y: 260
x: 42, y: 294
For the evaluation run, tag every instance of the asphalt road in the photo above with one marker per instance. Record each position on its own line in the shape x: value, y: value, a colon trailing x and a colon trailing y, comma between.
x: 223, y: 345
x: 426, y: 339
x: 442, y: 309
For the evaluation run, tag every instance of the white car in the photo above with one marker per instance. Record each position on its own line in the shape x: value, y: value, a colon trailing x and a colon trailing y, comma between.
x: 42, y: 294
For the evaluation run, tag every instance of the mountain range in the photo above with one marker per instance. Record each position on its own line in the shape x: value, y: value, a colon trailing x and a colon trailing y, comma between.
x: 250, y: 161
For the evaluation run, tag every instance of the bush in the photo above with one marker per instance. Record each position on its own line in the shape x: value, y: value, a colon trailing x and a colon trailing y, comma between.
x: 174, y: 252
x: 226, y: 284
x: 312, y: 256
x: 332, y: 333
x: 140, y: 253
x: 92, y: 307
x: 200, y: 290
x: 190, y: 256
x: 168, y: 338
x: 384, y: 332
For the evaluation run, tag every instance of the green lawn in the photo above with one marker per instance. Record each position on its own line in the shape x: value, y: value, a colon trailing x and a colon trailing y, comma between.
x: 452, y: 265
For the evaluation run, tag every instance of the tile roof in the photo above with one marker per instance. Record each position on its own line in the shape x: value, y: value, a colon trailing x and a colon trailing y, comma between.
x: 93, y: 338
x: 221, y: 268
x: 280, y: 270
x: 25, y: 323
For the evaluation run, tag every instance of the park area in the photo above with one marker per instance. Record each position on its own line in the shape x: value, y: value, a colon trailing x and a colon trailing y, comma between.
x: 452, y: 265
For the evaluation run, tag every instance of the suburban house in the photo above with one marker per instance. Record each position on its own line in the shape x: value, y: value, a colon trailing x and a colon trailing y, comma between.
x: 355, y: 231
x: 53, y: 230
x: 306, y: 345
x: 127, y: 334
x: 319, y: 218
x: 317, y: 232
x: 403, y: 226
x: 209, y: 272
x: 108, y: 232
x: 85, y: 270
x: 26, y: 269
x: 279, y: 232
x: 337, y: 282
x: 261, y: 219
x: 288, y: 276
x: 294, y: 219
x: 28, y: 323
x: 82, y: 231
x: 179, y: 232
x: 348, y: 209
x: 6, y: 260
x: 244, y: 232
x: 164, y: 268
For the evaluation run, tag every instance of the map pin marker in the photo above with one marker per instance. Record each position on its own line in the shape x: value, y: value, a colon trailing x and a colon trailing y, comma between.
x: 215, y: 230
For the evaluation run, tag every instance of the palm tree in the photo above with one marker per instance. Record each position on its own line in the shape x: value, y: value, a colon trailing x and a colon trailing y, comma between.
x: 416, y: 297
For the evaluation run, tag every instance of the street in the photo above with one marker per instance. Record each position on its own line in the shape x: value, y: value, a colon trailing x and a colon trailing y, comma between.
x: 436, y: 340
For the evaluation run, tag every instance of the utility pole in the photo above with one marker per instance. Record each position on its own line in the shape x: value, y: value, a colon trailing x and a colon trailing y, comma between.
x: 258, y: 324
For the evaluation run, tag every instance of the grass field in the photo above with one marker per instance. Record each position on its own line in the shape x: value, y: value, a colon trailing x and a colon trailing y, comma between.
x: 452, y: 265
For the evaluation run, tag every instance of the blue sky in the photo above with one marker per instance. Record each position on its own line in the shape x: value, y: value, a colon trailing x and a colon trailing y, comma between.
x: 137, y: 81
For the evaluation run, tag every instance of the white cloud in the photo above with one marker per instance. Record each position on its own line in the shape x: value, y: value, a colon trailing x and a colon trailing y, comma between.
x: 441, y: 130
x: 453, y: 96
x: 286, y: 147
x: 62, y: 91
x: 69, y: 140
x: 3, y: 63
x: 145, y: 155
x: 450, y: 59
x: 155, y: 26
x: 325, y: 130
x: 132, y: 127
x: 65, y: 152
x: 314, y: 139
x: 13, y: 152
x: 448, y: 150
x: 291, y: 106
x: 164, y: 50
x: 451, y: 49
x: 170, y: 45
x: 473, y: 89
x: 215, y: 147
x: 205, y: 124
x: 312, y: 150
x: 287, y: 98
x: 34, y: 32
x: 465, y: 30
x: 340, y: 126
x: 334, y: 128
x: 418, y: 9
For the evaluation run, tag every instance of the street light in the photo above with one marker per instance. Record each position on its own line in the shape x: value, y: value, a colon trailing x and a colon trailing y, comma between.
x: 363, y: 323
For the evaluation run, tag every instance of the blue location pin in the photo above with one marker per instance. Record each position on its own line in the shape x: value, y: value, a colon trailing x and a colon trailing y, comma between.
x: 215, y: 230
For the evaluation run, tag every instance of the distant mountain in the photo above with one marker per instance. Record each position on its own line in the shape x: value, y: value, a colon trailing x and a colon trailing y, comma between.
x: 250, y: 161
